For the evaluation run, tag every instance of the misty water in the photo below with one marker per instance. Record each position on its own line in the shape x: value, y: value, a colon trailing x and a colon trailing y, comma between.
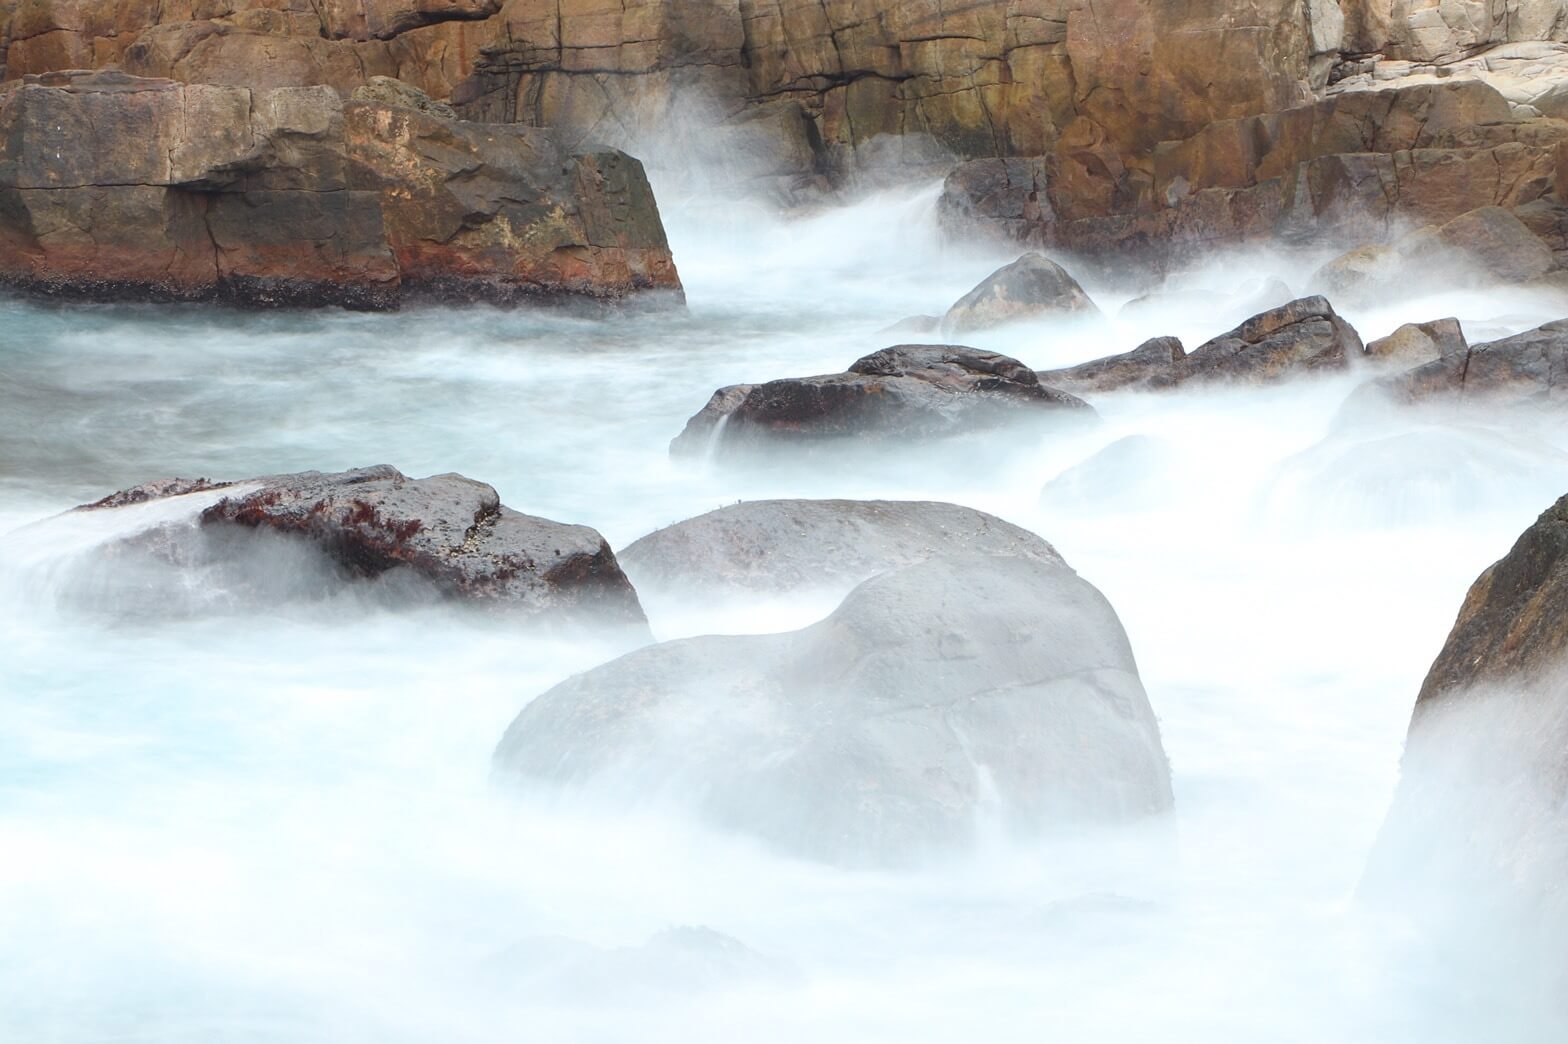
x: 224, y: 820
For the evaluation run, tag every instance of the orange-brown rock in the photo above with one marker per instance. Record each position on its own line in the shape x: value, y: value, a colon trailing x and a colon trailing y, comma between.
x: 116, y: 186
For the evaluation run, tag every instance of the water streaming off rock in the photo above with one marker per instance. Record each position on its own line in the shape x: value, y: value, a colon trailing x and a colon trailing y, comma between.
x: 241, y: 820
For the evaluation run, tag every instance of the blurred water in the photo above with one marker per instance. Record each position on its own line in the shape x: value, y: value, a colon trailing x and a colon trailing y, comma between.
x: 277, y: 824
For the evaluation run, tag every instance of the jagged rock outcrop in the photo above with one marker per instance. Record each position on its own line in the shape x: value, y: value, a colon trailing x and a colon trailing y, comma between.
x: 116, y: 186
x: 910, y: 391
x: 1531, y: 367
x: 957, y: 695
x: 451, y: 532
x: 776, y: 546
x: 1031, y: 287
x: 1304, y: 336
x: 1513, y: 625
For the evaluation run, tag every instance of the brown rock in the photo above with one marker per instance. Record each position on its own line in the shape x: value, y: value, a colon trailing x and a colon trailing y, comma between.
x: 1498, y: 244
x: 117, y: 186
x: 1156, y: 363
x: 1415, y: 344
x: 1528, y: 367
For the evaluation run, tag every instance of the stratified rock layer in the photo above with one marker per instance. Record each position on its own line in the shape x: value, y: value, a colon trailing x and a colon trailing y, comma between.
x: 114, y: 186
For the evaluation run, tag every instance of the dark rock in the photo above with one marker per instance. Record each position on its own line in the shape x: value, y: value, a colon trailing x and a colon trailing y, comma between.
x: 1528, y: 367
x: 1513, y: 625
x: 451, y: 531
x: 907, y: 391
x: 937, y: 697
x: 778, y: 546
x: 1031, y: 287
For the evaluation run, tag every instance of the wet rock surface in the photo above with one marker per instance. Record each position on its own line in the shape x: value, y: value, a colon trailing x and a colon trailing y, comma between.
x: 907, y: 391
x: 1415, y: 344
x: 938, y: 698
x: 451, y: 532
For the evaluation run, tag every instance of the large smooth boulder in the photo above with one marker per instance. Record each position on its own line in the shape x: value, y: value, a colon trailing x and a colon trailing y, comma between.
x: 1032, y: 287
x: 945, y: 699
x: 114, y: 186
x: 1304, y: 336
x: 450, y: 532
x: 1531, y: 367
x: 920, y: 391
x: 764, y: 547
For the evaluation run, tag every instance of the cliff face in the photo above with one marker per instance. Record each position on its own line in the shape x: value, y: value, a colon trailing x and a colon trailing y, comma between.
x: 1119, y: 121
x: 119, y: 186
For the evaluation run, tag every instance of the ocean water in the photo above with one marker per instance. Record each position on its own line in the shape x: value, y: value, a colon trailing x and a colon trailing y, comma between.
x: 230, y: 818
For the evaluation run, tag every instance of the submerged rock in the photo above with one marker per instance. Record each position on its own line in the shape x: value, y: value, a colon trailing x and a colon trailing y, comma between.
x: 451, y: 532
x: 114, y: 186
x: 1303, y: 336
x: 907, y: 391
x: 1528, y: 367
x: 779, y: 546
x: 938, y: 699
x: 1031, y: 287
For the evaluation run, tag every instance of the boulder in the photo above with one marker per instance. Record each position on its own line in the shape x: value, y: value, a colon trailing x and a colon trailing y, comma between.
x: 1513, y: 625
x: 1415, y: 344
x: 1300, y: 337
x: 114, y: 186
x: 1364, y: 272
x: 451, y: 532
x: 780, y: 546
x: 1525, y: 368
x: 388, y: 90
x: 941, y: 700
x: 1031, y: 287
x: 1304, y: 336
x: 1156, y: 363
x: 907, y: 391
x: 1498, y: 245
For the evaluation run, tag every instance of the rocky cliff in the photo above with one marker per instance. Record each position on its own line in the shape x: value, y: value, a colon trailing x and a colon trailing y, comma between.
x: 119, y: 186
x: 1086, y: 123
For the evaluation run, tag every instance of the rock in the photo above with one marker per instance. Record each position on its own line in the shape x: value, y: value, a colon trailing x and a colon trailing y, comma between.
x: 1529, y: 367
x: 907, y: 391
x: 1135, y: 473
x: 1415, y: 344
x: 388, y: 90
x: 450, y: 531
x: 938, y: 698
x: 1498, y: 244
x: 119, y: 187
x: 1304, y: 336
x: 1156, y: 363
x: 915, y: 324
x: 779, y: 546
x: 1513, y: 625
x: 1029, y: 288
x: 1366, y: 271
